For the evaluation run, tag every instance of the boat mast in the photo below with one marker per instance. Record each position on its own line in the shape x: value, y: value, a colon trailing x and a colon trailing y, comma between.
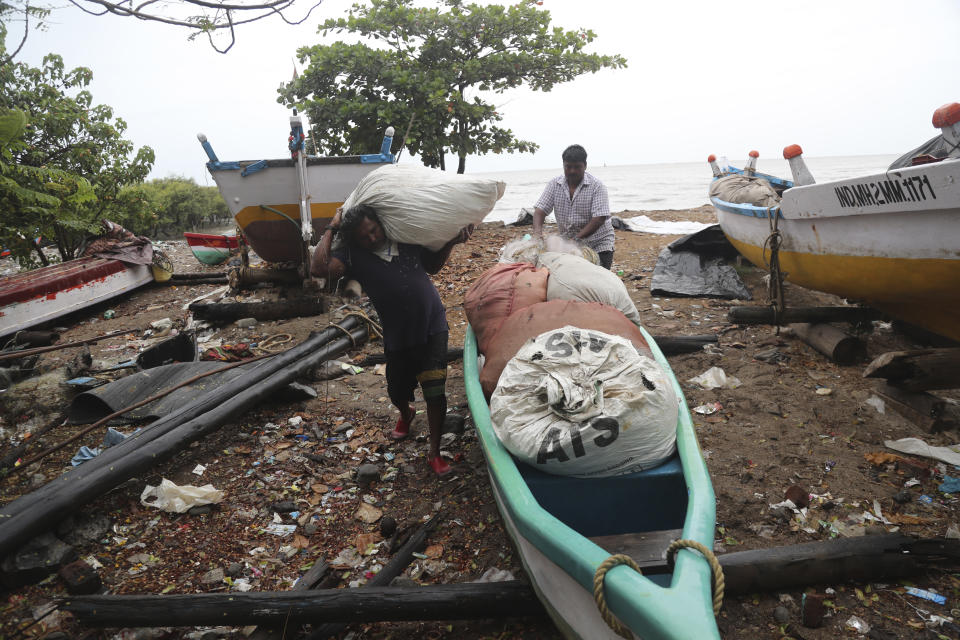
x: 299, y: 155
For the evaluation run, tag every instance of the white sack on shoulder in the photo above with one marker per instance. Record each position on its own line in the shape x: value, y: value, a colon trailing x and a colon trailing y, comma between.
x: 573, y: 278
x: 423, y: 206
x: 586, y: 404
x: 179, y: 499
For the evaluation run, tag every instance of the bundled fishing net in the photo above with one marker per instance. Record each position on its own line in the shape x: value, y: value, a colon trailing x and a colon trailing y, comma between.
x: 529, y: 248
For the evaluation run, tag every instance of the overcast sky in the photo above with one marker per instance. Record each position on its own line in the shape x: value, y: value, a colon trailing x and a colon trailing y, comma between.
x: 837, y: 77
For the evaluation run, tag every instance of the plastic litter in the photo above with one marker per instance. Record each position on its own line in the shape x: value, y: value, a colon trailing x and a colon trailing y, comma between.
x: 950, y: 484
x: 494, y: 574
x: 877, y: 403
x: 926, y: 595
x: 278, y: 529
x: 859, y: 625
x: 708, y: 409
x: 179, y: 499
x: 916, y: 446
x: 715, y: 378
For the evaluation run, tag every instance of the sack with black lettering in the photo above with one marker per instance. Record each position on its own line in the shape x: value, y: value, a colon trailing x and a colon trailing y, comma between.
x: 585, y: 403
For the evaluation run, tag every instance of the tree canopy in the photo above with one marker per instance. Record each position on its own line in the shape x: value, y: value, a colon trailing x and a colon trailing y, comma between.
x: 64, y: 158
x: 433, y: 71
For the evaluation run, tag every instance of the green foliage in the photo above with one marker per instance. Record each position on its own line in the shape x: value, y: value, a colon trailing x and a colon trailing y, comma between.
x: 176, y: 204
x: 420, y: 67
x: 66, y: 164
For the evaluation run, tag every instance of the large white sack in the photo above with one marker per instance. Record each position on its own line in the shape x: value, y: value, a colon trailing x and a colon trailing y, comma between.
x: 573, y: 278
x: 428, y: 207
x: 585, y: 403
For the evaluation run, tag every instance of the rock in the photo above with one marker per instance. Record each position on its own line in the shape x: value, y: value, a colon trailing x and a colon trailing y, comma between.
x: 798, y: 496
x: 368, y: 473
x: 80, y: 578
x: 453, y: 423
x: 36, y: 560
x: 213, y: 576
x: 812, y: 610
x: 310, y: 528
x: 781, y: 615
x: 388, y: 526
x: 246, y: 323
x: 200, y: 510
x: 235, y: 570
x: 404, y: 582
x: 903, y: 497
x: 284, y: 506
x: 83, y: 528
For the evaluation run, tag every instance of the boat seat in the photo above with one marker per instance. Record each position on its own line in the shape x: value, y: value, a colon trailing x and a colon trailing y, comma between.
x: 650, y: 500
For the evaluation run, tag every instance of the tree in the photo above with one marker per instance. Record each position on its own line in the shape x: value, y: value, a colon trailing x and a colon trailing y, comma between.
x: 69, y: 149
x: 420, y: 67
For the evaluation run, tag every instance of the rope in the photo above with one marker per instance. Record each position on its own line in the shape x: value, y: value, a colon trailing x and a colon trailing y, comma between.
x: 612, y: 621
x: 371, y: 323
x: 615, y: 560
x: 775, y: 285
x: 718, y: 581
x: 270, y: 344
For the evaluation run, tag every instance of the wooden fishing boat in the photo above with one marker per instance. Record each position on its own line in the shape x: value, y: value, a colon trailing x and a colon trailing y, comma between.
x: 32, y: 297
x: 280, y: 204
x: 888, y: 240
x: 211, y: 248
x: 564, y: 528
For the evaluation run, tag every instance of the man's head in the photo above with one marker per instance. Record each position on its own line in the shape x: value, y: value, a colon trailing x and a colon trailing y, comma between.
x: 361, y: 227
x: 574, y: 164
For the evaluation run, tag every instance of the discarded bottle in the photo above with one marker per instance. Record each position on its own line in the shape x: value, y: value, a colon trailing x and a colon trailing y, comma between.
x: 108, y: 314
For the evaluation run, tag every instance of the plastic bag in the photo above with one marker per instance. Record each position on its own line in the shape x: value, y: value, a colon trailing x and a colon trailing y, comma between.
x: 715, y: 378
x: 179, y: 499
x: 422, y: 206
x: 585, y: 404
x: 573, y: 278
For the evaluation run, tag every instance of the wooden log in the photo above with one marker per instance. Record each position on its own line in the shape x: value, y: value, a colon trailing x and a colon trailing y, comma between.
x: 241, y: 277
x: 919, y: 407
x: 862, y: 559
x: 675, y: 345
x: 307, y: 581
x: 385, y: 576
x: 35, y: 338
x: 467, y: 601
x: 919, y: 370
x: 228, y: 312
x: 35, y: 512
x: 765, y: 315
x: 837, y: 345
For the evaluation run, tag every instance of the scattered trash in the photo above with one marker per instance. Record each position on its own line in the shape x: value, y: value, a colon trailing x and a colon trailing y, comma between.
x: 109, y: 314
x: 494, y: 574
x: 823, y: 391
x: 877, y: 403
x: 949, y: 484
x: 926, y: 595
x: 278, y: 529
x: 715, y: 378
x: 199, y: 469
x: 918, y: 447
x: 858, y: 624
x: 178, y: 499
x: 708, y: 409
x: 368, y: 513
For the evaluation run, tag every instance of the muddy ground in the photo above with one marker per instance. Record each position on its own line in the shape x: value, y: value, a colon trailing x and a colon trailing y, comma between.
x: 796, y: 419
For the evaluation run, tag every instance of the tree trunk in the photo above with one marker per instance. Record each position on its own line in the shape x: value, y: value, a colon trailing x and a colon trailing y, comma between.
x: 39, y: 250
x: 462, y: 166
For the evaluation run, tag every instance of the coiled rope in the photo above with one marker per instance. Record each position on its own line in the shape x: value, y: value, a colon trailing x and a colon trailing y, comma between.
x: 615, y: 560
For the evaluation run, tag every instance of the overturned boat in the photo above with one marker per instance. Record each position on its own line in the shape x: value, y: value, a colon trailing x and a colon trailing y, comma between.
x: 887, y: 240
x: 279, y: 204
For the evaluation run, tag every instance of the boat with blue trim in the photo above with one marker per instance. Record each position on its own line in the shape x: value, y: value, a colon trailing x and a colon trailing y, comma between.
x: 565, y: 528
x: 888, y: 240
x: 280, y: 204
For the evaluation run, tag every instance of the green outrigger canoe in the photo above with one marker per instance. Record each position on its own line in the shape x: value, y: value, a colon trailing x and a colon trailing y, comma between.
x: 564, y: 528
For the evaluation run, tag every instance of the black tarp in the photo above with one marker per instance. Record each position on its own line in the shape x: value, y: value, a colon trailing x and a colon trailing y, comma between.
x: 936, y: 147
x: 696, y: 266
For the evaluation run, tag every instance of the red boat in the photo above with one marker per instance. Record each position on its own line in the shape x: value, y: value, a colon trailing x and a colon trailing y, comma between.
x: 210, y: 248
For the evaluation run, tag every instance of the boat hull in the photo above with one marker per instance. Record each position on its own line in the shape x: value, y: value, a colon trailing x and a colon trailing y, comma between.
x: 33, y: 297
x: 549, y: 519
x: 210, y: 248
x: 900, y: 258
x: 275, y: 235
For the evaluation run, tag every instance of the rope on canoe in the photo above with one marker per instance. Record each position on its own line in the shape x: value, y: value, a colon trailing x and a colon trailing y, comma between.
x: 615, y: 560
x: 775, y: 285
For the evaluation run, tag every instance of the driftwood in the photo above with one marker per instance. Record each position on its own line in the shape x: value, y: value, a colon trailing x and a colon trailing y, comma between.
x: 438, y: 602
x: 56, y: 347
x: 920, y: 370
x: 385, y: 576
x: 837, y: 345
x: 307, y: 581
x: 35, y: 512
x: 925, y: 410
x: 228, y: 312
x: 765, y: 315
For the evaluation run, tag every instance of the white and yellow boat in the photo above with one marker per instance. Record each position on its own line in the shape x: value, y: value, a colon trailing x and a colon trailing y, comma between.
x: 280, y: 204
x: 889, y: 240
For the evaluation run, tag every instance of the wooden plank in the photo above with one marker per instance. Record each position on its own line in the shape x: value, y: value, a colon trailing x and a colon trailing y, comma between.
x: 648, y: 549
x: 919, y: 407
x: 918, y: 370
x: 468, y: 601
x: 307, y: 581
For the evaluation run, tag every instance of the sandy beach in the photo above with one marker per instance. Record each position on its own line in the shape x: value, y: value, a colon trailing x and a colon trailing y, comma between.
x: 796, y: 419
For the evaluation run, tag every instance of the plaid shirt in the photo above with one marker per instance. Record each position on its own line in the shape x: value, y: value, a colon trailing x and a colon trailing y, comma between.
x: 573, y: 214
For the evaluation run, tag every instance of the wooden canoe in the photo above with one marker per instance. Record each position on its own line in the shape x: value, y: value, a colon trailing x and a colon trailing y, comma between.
x: 210, y: 248
x: 564, y: 527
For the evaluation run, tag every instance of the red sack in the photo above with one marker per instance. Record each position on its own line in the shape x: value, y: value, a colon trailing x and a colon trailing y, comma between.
x: 528, y: 323
x: 500, y: 291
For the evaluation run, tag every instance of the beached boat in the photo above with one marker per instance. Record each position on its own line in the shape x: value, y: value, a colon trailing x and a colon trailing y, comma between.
x: 211, y: 248
x: 280, y: 204
x: 564, y: 528
x: 32, y: 297
x: 888, y: 240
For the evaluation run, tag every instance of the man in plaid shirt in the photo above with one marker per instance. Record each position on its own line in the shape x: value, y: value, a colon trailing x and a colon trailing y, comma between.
x: 579, y: 202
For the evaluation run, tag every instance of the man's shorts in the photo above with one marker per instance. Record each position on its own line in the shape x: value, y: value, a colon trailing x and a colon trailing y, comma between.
x: 425, y: 364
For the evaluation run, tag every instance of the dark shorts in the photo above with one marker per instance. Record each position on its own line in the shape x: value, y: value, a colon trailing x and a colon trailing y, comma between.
x: 425, y: 364
x: 606, y: 259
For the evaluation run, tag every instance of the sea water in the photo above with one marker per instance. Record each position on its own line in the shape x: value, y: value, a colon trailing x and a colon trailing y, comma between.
x: 684, y: 185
